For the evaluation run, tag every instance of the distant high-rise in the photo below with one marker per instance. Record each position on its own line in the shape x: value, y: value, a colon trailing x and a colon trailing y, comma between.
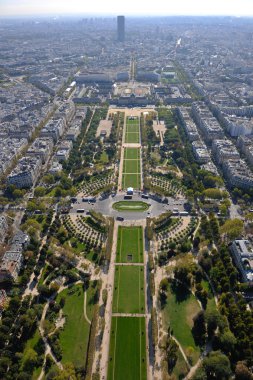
x: 121, y: 28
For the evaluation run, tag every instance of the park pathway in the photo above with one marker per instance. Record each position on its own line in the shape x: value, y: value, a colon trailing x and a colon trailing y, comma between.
x: 109, y: 282
x: 129, y: 315
x: 84, y: 308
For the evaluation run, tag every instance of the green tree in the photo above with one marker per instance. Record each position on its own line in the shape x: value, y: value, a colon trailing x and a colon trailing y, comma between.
x: 31, y: 206
x: 184, y: 269
x: 48, y: 179
x: 213, y: 193
x: 213, y: 319
x: 67, y: 373
x: 39, y: 191
x: 164, y: 284
x: 227, y: 341
x: 58, y: 192
x: 199, y: 328
x: 217, y: 366
x: 30, y: 359
x: 232, y: 228
x: 17, y: 193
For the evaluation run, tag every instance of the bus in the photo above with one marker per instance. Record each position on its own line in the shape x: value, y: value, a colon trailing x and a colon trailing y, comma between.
x: 184, y: 213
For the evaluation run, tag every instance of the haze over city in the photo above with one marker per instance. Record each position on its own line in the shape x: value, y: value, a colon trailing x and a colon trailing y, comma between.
x: 130, y: 7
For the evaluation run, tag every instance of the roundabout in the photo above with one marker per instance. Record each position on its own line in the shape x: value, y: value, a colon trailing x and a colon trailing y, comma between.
x: 131, y: 206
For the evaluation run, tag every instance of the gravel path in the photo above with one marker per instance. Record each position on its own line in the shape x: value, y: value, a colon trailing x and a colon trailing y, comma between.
x: 84, y: 308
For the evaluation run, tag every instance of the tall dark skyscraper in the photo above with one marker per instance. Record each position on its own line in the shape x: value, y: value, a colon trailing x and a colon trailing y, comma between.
x: 121, y: 28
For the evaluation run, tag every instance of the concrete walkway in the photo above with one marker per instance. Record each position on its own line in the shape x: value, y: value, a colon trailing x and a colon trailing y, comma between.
x: 108, y: 311
x: 129, y: 315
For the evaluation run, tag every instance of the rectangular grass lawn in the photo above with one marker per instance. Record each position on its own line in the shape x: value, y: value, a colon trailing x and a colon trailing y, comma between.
x: 129, y: 242
x: 131, y: 180
x: 128, y: 296
x: 132, y: 153
x: 131, y: 120
x: 131, y: 166
x: 75, y: 335
x: 132, y: 138
x: 127, y: 356
x: 132, y: 127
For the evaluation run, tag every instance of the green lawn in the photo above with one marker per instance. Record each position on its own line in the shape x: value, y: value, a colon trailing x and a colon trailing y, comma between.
x: 211, y: 305
x: 127, y: 357
x: 131, y: 153
x: 128, y: 296
x: 132, y: 138
x: 131, y: 128
x: 92, y: 298
x: 43, y: 275
x: 129, y: 242
x: 92, y: 256
x: 104, y: 158
x: 131, y: 121
x: 75, y: 334
x: 131, y: 180
x: 36, y: 373
x: 130, y: 206
x: 178, y: 313
x: 77, y: 246
x: 131, y: 166
x: 180, y: 370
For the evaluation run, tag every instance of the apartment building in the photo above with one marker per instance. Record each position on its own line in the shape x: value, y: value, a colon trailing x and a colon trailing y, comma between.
x: 238, y: 174
x: 223, y: 150
x: 242, y: 252
x: 208, y: 124
x: 25, y: 173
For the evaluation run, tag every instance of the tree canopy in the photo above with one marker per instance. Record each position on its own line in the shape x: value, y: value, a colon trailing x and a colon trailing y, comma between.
x: 232, y: 228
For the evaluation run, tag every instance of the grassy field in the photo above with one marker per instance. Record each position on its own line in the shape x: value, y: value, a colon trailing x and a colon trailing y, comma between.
x: 127, y: 357
x: 132, y: 128
x: 128, y: 296
x: 75, y: 334
x: 104, y: 158
x: 131, y: 180
x: 131, y: 153
x: 132, y: 138
x: 92, y: 256
x: 178, y: 313
x: 181, y: 369
x: 129, y: 241
x: 132, y: 134
x: 132, y: 121
x: 130, y: 206
x: 131, y: 166
x: 211, y: 305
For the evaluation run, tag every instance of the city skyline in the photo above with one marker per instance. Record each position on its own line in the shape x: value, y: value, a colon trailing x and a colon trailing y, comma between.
x: 99, y: 7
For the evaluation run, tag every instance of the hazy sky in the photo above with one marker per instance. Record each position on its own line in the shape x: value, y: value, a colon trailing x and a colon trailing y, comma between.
x: 127, y: 7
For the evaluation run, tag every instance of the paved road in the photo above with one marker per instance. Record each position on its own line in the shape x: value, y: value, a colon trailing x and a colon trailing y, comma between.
x: 234, y: 211
x: 105, y: 207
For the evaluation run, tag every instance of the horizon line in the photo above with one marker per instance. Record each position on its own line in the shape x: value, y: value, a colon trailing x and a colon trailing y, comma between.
x: 130, y: 15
